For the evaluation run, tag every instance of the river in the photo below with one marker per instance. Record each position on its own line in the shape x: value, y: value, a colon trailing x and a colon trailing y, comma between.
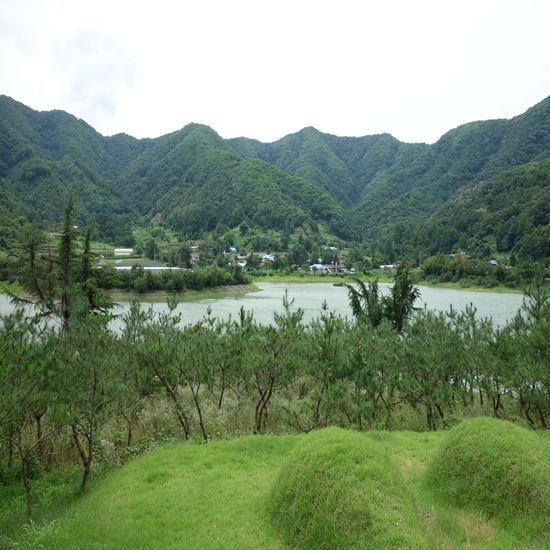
x: 268, y: 300
x: 500, y: 307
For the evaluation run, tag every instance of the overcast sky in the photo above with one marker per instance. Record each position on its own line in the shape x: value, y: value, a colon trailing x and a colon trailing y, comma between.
x: 264, y: 69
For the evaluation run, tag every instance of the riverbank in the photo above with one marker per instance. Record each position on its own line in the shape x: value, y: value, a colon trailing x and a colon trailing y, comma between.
x: 119, y: 295
x: 265, y: 298
x: 457, y: 286
x: 380, y: 276
x: 318, y: 278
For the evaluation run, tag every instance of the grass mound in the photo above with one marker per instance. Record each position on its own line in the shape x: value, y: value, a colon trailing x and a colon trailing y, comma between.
x: 339, y: 489
x: 493, y: 466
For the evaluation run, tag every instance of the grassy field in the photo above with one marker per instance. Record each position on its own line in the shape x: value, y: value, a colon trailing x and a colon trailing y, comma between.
x: 328, y: 489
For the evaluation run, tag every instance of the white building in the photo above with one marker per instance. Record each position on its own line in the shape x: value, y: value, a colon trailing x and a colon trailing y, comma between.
x: 124, y: 251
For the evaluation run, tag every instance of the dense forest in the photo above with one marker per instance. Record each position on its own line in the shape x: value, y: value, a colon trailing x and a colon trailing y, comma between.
x: 481, y: 189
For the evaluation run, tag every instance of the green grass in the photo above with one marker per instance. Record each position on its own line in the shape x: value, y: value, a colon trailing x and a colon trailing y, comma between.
x: 497, y: 468
x: 328, y: 489
x: 343, y: 490
x: 179, y: 496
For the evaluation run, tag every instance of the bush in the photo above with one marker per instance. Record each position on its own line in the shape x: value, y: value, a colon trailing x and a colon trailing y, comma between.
x: 493, y: 466
x: 338, y: 490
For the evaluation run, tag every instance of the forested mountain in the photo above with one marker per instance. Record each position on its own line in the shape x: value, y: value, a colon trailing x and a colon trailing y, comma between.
x: 404, y: 198
x: 44, y: 157
x: 197, y: 180
x: 512, y: 209
x: 462, y: 157
x: 385, y: 181
x: 343, y: 166
x: 192, y: 176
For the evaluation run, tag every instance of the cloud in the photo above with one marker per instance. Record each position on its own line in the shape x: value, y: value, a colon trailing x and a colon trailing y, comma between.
x: 95, y: 71
x: 267, y: 68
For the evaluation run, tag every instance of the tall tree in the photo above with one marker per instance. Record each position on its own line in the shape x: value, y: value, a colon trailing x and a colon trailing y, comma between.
x: 531, y: 376
x: 369, y: 304
x: 403, y: 294
x: 428, y: 355
x: 366, y: 302
x: 23, y: 388
x: 273, y: 364
x: 66, y: 255
x: 88, y: 381
x: 158, y: 350
x: 64, y: 283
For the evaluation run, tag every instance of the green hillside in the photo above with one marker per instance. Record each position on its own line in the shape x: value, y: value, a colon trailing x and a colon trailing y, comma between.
x: 46, y: 157
x: 511, y: 209
x: 192, y: 177
x: 343, y: 166
x: 462, y: 157
x: 197, y: 181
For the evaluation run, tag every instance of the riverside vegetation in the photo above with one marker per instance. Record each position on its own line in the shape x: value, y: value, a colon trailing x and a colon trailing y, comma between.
x: 77, y: 401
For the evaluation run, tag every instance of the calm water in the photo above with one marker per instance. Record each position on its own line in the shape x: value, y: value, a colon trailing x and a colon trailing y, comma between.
x: 500, y: 307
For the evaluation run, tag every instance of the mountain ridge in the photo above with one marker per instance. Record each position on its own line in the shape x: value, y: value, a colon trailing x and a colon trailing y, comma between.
x: 369, y: 184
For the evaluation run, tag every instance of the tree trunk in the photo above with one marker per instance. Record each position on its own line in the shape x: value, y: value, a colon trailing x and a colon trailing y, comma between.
x: 496, y: 405
x: 10, y: 449
x: 24, y: 469
x: 180, y: 411
x: 222, y: 391
x: 199, y: 411
x: 38, y: 414
x: 440, y: 411
x: 541, y: 416
x: 182, y: 417
x: 525, y: 406
x: 24, y: 464
x: 86, y: 457
x: 261, y: 409
x: 429, y: 415
x: 129, y: 424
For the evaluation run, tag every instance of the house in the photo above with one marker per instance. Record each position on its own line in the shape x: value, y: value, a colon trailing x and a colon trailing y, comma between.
x: 123, y: 251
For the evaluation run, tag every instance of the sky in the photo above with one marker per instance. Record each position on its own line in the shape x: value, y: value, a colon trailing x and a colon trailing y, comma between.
x: 264, y: 69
